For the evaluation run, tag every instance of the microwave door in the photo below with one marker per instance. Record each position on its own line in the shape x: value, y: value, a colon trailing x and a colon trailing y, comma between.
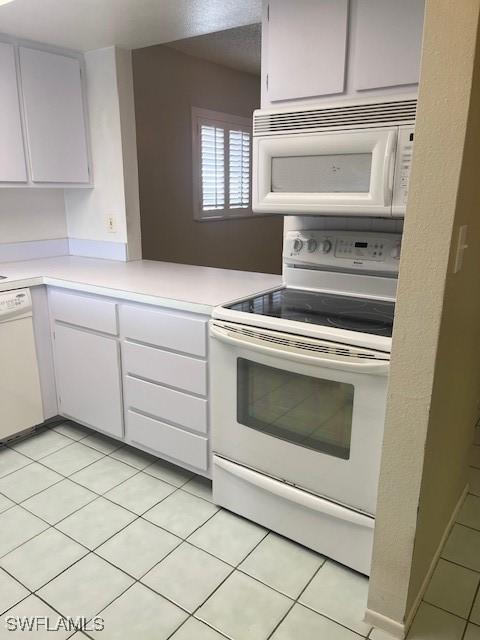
x: 348, y: 172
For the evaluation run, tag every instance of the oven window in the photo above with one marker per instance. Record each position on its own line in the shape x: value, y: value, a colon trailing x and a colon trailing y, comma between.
x: 333, y: 173
x: 306, y: 411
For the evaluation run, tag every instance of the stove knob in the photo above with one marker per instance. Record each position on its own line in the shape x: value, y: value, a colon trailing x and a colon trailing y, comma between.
x: 297, y: 245
x: 312, y: 245
x: 325, y: 246
x: 395, y: 252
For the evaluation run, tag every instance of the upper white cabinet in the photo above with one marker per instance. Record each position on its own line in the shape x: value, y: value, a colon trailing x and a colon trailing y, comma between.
x: 313, y: 64
x: 54, y: 115
x: 12, y: 152
x: 387, y: 43
x: 43, y: 124
x: 314, y: 50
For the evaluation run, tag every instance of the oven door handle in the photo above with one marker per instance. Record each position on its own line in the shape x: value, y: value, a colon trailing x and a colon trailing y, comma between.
x: 293, y: 494
x: 357, y: 365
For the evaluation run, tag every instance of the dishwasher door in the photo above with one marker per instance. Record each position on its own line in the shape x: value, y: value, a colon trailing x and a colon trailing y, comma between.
x: 20, y: 395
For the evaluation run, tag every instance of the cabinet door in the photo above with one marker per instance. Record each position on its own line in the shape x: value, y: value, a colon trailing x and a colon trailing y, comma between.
x: 306, y: 48
x: 12, y: 152
x: 54, y: 113
x: 87, y: 369
x: 387, y: 36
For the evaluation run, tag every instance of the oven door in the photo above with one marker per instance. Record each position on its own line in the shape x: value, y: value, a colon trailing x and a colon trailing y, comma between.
x: 305, y: 411
x: 347, y: 172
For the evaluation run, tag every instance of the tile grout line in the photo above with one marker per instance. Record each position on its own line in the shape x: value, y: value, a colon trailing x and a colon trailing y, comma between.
x: 237, y: 569
x: 182, y: 539
x: 97, y: 496
x: 138, y: 580
x: 477, y: 592
x: 93, y: 551
x: 457, y: 564
x: 455, y: 615
x: 18, y: 504
x: 233, y: 567
x: 465, y: 526
x: 282, y: 619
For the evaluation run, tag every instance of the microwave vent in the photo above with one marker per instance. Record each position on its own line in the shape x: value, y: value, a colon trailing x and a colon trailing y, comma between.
x: 341, y: 117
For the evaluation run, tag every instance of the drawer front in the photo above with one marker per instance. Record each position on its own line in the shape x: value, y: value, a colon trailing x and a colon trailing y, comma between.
x: 165, y: 329
x: 164, y: 439
x: 166, y: 404
x: 165, y: 367
x: 92, y: 313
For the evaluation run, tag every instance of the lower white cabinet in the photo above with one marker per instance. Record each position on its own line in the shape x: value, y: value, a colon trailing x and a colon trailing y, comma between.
x: 133, y: 371
x: 174, y: 443
x: 88, y: 377
x: 164, y: 362
x: 175, y: 407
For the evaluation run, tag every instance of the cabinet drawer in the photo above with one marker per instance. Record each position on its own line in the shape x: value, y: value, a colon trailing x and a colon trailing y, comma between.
x: 167, y: 440
x: 92, y: 313
x: 166, y: 404
x: 165, y: 367
x: 165, y: 329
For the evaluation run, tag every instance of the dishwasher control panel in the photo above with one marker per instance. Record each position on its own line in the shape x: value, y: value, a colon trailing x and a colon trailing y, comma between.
x: 15, y: 303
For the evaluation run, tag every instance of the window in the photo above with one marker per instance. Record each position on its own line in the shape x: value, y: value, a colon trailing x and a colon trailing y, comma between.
x: 221, y: 165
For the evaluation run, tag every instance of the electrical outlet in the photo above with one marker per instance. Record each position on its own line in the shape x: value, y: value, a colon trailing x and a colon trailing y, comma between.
x: 111, y: 224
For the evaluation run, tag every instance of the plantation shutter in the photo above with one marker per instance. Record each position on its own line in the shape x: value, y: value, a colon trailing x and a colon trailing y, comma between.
x: 212, y: 153
x: 239, y: 169
x: 221, y: 165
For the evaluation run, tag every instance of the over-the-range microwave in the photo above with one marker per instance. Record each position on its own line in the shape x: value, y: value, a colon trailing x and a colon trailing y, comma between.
x: 351, y: 158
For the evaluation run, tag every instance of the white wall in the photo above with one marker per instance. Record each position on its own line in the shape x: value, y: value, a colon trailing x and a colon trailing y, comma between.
x: 129, y: 149
x: 31, y: 214
x: 434, y: 378
x: 112, y: 128
x: 87, y: 209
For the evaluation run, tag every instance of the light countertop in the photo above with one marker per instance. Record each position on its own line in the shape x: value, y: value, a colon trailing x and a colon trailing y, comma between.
x: 180, y: 286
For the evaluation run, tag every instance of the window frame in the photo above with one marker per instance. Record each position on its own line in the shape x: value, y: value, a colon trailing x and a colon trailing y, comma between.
x: 228, y: 122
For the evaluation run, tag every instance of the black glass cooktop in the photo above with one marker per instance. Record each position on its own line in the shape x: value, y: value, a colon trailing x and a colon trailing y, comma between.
x: 328, y: 309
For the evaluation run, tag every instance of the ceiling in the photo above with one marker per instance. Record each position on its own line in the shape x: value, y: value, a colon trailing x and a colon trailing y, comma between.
x: 92, y: 24
x: 238, y: 48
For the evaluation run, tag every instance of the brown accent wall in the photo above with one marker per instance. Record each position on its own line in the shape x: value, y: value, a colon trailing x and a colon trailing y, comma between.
x: 167, y: 84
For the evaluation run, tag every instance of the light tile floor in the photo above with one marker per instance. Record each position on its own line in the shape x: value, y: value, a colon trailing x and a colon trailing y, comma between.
x: 91, y: 527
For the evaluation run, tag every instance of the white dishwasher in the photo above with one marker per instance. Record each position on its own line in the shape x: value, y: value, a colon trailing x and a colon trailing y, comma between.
x: 20, y: 395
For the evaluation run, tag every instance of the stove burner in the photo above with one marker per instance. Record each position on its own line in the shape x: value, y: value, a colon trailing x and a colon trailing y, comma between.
x: 341, y: 312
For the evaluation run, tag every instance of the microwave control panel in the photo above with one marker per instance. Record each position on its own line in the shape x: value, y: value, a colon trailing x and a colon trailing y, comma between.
x: 403, y: 163
x: 343, y: 250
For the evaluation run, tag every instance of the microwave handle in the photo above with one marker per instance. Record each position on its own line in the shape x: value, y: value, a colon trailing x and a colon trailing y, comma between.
x: 379, y: 367
x: 388, y: 167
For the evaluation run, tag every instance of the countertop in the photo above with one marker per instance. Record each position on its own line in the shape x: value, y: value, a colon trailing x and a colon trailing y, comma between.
x: 179, y: 286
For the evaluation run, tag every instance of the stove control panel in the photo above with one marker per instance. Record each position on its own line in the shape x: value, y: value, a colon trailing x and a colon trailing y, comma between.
x: 343, y: 250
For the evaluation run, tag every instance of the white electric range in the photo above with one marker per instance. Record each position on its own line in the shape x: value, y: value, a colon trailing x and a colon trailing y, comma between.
x: 299, y: 384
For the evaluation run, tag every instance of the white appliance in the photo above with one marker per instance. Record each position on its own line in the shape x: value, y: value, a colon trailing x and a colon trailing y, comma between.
x: 348, y: 158
x: 20, y: 395
x: 299, y: 381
